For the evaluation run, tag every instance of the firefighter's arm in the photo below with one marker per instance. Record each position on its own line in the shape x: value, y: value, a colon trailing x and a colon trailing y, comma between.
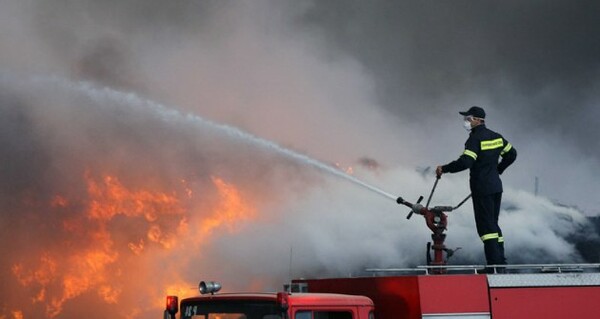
x: 466, y: 159
x: 464, y: 162
x: 509, y: 155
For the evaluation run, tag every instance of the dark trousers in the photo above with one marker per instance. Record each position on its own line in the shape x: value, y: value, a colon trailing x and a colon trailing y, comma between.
x: 487, y: 211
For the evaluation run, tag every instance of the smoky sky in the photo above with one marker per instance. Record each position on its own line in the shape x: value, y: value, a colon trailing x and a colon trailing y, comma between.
x: 534, y: 65
x: 425, y: 49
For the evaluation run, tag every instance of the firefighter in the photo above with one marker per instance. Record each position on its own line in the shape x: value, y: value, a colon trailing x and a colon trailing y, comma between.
x: 481, y: 155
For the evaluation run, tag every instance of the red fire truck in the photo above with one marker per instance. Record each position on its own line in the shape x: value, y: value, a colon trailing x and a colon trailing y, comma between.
x: 526, y: 291
x: 533, y: 291
x: 438, y: 290
x: 281, y: 305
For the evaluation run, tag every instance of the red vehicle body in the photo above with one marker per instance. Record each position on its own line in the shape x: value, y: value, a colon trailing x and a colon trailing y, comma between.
x: 276, y: 306
x: 572, y: 291
x: 498, y: 296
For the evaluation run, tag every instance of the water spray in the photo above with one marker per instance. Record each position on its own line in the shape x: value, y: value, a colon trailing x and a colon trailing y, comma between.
x: 168, y: 114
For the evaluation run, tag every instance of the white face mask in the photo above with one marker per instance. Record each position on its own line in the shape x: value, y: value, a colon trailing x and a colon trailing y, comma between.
x: 467, y: 126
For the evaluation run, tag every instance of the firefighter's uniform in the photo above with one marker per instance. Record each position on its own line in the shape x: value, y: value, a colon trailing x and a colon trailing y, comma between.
x: 481, y: 154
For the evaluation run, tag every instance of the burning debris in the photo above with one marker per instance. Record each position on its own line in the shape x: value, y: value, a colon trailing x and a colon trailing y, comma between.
x: 97, y: 252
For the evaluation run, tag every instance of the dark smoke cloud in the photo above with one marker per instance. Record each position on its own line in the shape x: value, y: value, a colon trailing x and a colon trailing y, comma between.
x: 431, y: 48
x: 533, y: 64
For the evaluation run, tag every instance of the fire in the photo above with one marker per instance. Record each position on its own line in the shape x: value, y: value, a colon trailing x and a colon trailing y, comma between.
x: 96, y: 268
x: 348, y: 170
x: 42, y: 275
x: 114, y: 238
x: 233, y: 208
x: 111, y: 198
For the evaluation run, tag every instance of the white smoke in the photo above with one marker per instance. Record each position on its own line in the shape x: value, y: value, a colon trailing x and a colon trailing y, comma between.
x: 340, y: 230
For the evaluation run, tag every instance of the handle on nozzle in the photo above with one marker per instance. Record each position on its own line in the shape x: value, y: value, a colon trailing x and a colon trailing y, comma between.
x: 437, y: 178
x: 412, y: 211
x: 463, y: 201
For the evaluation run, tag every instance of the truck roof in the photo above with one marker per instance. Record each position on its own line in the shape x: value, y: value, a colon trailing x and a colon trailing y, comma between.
x: 328, y: 298
x: 297, y: 299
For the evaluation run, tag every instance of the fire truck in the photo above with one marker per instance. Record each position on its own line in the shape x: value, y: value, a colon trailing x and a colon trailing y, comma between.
x: 436, y: 290
x: 523, y: 291
x: 281, y: 305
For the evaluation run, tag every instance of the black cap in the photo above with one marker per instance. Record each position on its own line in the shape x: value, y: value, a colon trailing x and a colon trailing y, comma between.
x: 474, y: 111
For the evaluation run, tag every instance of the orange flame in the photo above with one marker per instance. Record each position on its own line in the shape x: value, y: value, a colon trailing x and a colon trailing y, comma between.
x: 232, y: 209
x: 98, y: 257
x: 95, y: 268
x: 111, y: 198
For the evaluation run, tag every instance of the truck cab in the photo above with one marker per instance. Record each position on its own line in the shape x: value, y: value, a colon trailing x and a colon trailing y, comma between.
x: 281, y: 305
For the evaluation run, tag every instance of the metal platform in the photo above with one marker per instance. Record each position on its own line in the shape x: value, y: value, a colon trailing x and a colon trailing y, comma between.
x: 489, y: 269
x: 544, y: 280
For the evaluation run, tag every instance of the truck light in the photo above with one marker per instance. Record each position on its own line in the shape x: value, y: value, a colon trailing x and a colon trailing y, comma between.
x: 282, y: 300
x: 172, y: 305
x: 209, y: 287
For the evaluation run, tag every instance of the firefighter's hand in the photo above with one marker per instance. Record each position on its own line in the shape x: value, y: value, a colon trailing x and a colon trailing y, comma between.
x: 438, y: 171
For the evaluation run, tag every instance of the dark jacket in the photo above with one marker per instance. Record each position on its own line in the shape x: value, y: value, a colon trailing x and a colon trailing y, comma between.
x: 482, y: 150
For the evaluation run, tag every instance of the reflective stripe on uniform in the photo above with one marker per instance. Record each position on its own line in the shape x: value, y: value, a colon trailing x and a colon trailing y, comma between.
x: 506, y: 149
x: 500, y: 239
x: 490, y: 236
x: 492, y: 144
x: 471, y: 154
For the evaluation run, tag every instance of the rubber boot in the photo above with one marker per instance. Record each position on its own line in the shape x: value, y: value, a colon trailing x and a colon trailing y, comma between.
x: 494, y: 255
x: 502, y: 257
